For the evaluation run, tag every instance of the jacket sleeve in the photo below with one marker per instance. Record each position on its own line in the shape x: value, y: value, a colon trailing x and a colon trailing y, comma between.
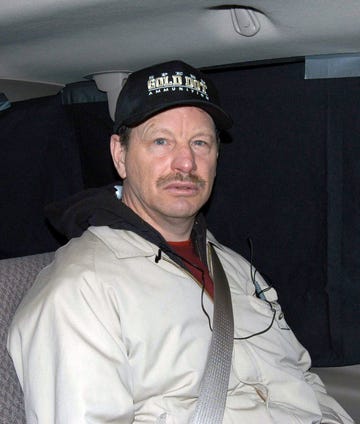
x: 332, y: 412
x: 67, y: 349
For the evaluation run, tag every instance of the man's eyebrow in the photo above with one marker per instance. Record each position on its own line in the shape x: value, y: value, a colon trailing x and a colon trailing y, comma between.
x: 161, y: 130
x: 206, y: 133
x: 152, y: 129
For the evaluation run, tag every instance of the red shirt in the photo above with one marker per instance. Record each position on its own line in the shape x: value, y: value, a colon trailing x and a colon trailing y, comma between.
x: 200, y: 272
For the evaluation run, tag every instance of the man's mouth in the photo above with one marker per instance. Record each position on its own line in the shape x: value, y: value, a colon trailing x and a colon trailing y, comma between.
x: 183, y: 188
x: 181, y: 182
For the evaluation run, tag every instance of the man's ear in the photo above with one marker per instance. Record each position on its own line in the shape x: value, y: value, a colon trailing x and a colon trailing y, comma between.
x: 118, y: 153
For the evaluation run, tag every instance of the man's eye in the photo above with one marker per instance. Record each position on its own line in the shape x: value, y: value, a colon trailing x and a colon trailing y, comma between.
x: 160, y: 142
x: 200, y: 143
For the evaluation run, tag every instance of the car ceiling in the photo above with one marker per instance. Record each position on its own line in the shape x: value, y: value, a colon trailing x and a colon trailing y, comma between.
x: 62, y: 41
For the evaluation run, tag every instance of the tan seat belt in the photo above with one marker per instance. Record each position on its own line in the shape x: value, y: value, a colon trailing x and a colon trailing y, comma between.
x: 215, y: 381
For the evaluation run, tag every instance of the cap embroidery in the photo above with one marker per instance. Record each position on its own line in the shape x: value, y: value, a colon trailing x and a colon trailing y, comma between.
x: 177, y: 81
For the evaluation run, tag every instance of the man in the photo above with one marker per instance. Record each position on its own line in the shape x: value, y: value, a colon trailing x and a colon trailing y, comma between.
x: 116, y: 329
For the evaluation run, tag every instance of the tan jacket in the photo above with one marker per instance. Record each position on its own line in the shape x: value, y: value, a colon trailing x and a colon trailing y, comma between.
x: 106, y: 335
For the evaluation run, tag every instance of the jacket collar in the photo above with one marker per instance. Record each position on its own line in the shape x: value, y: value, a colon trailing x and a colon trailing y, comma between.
x: 102, y: 207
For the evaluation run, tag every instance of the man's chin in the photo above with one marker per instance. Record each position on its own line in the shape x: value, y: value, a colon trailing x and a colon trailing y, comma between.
x: 182, y: 212
x: 180, y: 207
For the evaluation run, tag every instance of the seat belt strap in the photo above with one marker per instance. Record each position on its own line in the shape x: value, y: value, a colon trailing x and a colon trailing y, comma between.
x: 215, y: 381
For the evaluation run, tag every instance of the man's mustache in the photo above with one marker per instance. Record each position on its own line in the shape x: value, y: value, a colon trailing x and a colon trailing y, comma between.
x: 170, y: 178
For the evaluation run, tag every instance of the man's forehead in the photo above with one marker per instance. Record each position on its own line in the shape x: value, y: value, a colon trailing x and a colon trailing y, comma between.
x: 188, y: 116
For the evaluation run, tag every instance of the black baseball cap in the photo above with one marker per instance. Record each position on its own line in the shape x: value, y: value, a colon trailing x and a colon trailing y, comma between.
x: 160, y: 87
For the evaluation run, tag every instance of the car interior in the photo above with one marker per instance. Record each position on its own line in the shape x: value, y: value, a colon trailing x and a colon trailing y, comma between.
x: 287, y: 189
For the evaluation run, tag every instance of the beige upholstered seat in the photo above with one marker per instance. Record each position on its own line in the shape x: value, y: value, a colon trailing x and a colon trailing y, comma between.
x: 16, y: 276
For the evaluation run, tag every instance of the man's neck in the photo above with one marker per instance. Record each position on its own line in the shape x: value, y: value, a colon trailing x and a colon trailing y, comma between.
x: 173, y: 229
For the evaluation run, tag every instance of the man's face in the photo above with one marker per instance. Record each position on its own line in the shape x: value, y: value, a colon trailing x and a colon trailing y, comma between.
x: 169, y: 165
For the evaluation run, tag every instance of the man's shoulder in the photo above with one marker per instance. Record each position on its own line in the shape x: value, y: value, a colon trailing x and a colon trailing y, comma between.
x: 225, y: 250
x: 73, y: 270
x: 85, y: 260
x: 235, y: 265
x: 122, y: 243
x: 102, y: 243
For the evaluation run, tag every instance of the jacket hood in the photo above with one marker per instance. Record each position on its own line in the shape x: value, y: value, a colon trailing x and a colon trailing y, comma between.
x: 103, y: 207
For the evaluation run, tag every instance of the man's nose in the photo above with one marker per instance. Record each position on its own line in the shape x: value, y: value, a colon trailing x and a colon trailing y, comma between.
x: 184, y: 159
